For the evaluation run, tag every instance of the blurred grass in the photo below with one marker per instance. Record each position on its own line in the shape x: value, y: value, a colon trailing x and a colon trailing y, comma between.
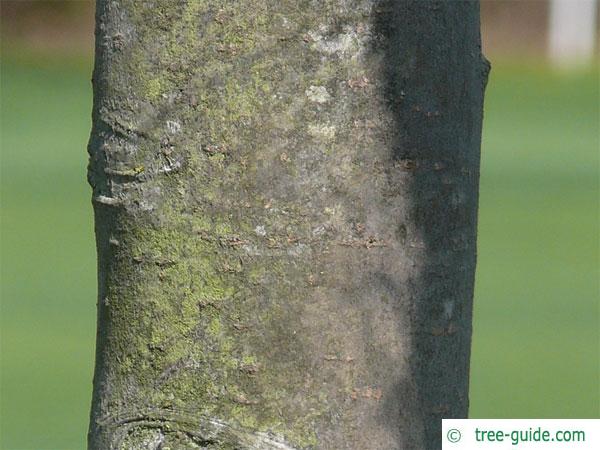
x: 48, y: 257
x: 536, y: 343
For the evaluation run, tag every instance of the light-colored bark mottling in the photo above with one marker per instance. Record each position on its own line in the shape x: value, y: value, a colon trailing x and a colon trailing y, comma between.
x: 285, y: 196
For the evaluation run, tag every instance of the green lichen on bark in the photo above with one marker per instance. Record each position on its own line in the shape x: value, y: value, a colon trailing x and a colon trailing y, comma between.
x: 262, y: 173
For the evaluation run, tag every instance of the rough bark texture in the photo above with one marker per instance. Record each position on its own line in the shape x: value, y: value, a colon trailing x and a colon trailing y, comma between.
x: 285, y: 196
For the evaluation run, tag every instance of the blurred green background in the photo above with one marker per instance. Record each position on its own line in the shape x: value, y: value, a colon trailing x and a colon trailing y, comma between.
x: 536, y: 340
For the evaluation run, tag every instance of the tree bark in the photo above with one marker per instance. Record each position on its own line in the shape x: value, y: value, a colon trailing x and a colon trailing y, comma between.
x: 285, y: 197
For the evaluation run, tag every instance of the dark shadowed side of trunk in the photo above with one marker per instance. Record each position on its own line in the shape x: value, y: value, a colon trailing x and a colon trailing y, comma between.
x: 285, y: 196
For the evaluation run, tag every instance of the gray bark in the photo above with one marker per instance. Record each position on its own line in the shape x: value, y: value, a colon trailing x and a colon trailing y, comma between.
x: 285, y: 197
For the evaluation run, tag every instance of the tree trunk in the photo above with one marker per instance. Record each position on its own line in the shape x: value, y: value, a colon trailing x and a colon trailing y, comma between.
x: 285, y: 196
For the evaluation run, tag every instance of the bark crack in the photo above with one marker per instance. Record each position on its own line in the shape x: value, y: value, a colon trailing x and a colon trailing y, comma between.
x: 149, y: 430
